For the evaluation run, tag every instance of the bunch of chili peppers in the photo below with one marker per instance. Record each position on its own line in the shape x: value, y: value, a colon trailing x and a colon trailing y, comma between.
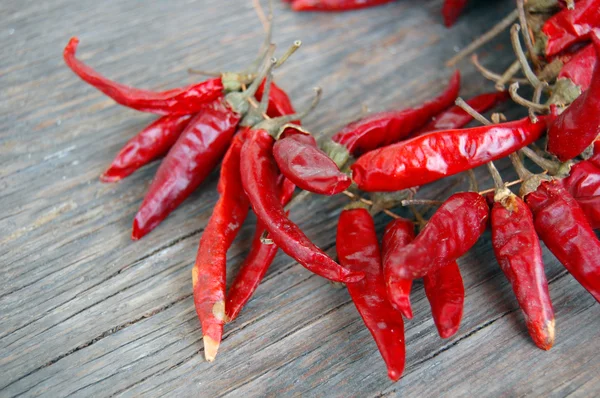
x: 248, y: 124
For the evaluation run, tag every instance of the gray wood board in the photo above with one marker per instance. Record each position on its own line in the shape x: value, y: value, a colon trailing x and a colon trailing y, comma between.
x: 87, y: 312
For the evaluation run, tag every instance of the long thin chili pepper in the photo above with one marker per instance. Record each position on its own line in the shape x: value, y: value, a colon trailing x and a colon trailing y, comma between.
x: 279, y: 102
x: 335, y: 5
x: 450, y: 233
x: 583, y: 183
x: 517, y: 249
x: 563, y: 227
x: 208, y: 274
x: 570, y: 26
x: 451, y: 10
x: 580, y: 68
x: 446, y: 294
x: 578, y: 126
x: 184, y: 100
x: 398, y: 233
x: 358, y: 250
x: 149, y: 144
x: 383, y: 128
x: 430, y: 157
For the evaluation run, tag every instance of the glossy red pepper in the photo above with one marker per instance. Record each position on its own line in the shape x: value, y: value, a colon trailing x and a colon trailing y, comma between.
x: 208, y: 274
x: 450, y: 233
x: 259, y: 177
x: 192, y: 158
x: 563, y: 227
x: 446, y: 294
x: 151, y: 143
x: 578, y: 126
x: 398, y: 233
x: 570, y: 26
x: 595, y: 158
x: 579, y: 69
x: 180, y: 101
x: 358, y: 250
x: 429, y: 157
x: 517, y: 249
x: 279, y: 101
x: 583, y: 183
x: 335, y: 5
x: 451, y: 10
x: 383, y: 128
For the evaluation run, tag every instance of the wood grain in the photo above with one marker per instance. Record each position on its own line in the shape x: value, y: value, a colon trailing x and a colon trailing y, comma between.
x: 87, y: 312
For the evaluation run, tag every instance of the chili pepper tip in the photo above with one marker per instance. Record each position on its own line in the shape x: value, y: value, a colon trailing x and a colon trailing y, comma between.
x: 210, y: 348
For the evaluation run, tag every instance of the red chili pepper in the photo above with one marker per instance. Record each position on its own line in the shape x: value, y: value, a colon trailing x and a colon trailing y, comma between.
x: 398, y: 233
x: 358, y: 250
x: 455, y: 117
x: 578, y: 126
x: 192, y: 158
x: 279, y: 102
x: 517, y: 249
x: 208, y: 274
x: 562, y: 225
x: 151, y: 143
x: 259, y: 176
x: 446, y: 294
x: 570, y: 26
x: 335, y: 5
x: 429, y: 157
x: 450, y: 233
x: 579, y: 69
x: 595, y: 159
x: 381, y: 129
x: 452, y: 10
x: 583, y: 183
x: 301, y: 161
x: 184, y: 100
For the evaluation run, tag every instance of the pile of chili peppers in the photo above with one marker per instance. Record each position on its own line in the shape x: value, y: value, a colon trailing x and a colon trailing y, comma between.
x: 248, y: 124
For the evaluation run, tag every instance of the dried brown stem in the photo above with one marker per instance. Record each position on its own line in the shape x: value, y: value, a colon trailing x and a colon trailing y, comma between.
x: 516, y: 43
x: 527, y: 34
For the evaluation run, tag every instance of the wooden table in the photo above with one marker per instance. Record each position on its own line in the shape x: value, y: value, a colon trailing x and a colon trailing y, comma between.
x: 87, y: 312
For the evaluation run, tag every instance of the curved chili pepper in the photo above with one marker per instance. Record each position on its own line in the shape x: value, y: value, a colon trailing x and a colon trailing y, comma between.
x: 180, y: 101
x: 208, y: 274
x: 570, y: 26
x: 358, y: 250
x: 578, y: 126
x: 450, y: 233
x: 562, y: 226
x: 517, y: 249
x: 335, y: 5
x: 455, y: 117
x: 279, y: 101
x: 583, y: 183
x: 192, y: 158
x: 259, y: 177
x: 149, y: 144
x: 398, y: 233
x: 446, y: 295
x: 383, y: 128
x: 451, y: 10
x: 580, y: 68
x: 429, y: 157
x: 302, y: 162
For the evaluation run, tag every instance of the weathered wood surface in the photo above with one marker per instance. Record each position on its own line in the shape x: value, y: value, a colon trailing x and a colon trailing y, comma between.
x: 86, y: 312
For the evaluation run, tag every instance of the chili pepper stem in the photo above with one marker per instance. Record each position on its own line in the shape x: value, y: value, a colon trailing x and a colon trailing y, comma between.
x: 522, y: 101
x: 272, y: 126
x: 496, y: 78
x: 239, y: 101
x: 546, y: 164
x: 507, y: 75
x: 537, y: 96
x: 527, y: 34
x: 516, y: 42
x: 291, y: 50
x: 425, y: 202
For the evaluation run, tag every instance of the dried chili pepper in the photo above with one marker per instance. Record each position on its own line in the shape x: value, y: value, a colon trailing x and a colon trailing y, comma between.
x: 583, y: 183
x: 578, y: 126
x: 580, y: 68
x: 446, y: 294
x: 208, y: 274
x: 279, y: 101
x: 383, y: 128
x: 595, y: 158
x: 398, y: 233
x: 451, y: 10
x: 335, y: 5
x: 570, y: 26
x: 517, y: 249
x: 149, y: 144
x: 358, y: 250
x: 430, y: 157
x: 450, y: 233
x: 184, y: 100
x: 563, y: 227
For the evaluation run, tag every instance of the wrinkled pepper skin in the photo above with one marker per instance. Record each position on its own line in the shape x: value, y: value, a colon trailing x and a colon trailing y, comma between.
x: 580, y: 68
x: 570, y: 26
x: 563, y: 227
x: 177, y: 101
x: 578, y: 126
x: 151, y: 143
x: 446, y: 294
x: 358, y: 250
x: 518, y: 251
x: 259, y: 177
x: 335, y: 5
x: 430, y: 157
x: 397, y: 234
x: 583, y: 183
x: 195, y: 154
x: 381, y: 129
x: 209, y: 272
x: 450, y: 233
x: 451, y: 10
